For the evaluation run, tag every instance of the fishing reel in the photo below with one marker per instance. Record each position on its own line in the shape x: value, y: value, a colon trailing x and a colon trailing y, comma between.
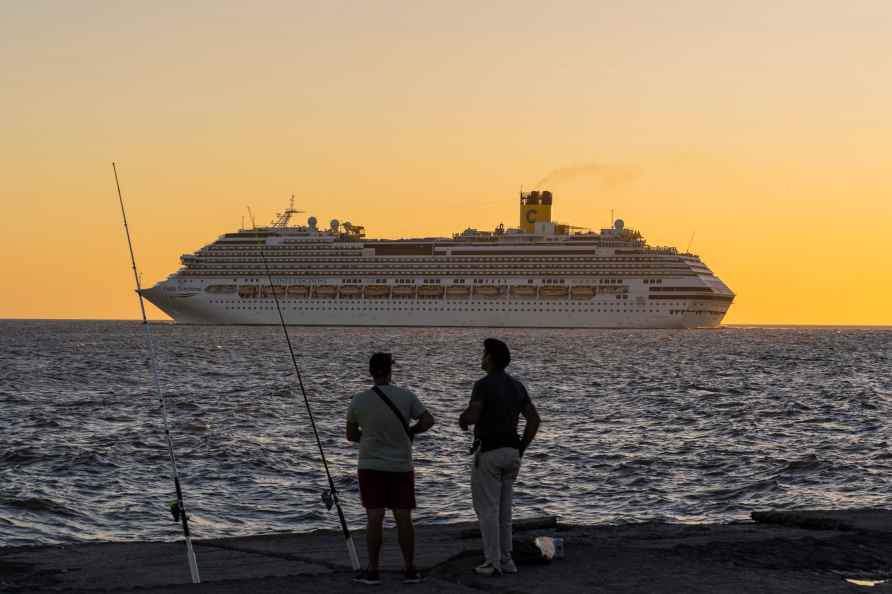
x: 328, y: 499
x: 175, y: 510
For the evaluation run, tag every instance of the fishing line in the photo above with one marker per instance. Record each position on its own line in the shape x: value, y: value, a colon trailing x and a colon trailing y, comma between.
x: 178, y: 509
x: 330, y: 497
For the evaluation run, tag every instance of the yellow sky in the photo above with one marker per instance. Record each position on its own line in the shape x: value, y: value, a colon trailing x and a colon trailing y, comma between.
x: 763, y: 129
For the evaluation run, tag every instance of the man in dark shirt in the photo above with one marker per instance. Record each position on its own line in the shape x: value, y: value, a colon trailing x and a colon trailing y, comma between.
x: 497, y: 402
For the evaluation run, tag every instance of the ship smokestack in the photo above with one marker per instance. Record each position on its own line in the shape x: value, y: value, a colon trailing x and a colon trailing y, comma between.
x: 535, y: 207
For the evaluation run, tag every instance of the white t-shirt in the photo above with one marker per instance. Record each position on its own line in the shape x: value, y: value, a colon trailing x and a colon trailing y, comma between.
x: 384, y: 445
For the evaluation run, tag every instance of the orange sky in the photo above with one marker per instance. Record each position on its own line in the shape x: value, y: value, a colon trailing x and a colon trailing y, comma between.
x: 764, y: 129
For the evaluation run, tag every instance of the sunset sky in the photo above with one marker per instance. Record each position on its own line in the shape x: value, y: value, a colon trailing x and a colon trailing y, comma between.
x: 763, y: 129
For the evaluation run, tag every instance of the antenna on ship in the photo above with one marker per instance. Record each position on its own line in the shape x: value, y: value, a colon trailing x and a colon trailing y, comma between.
x: 284, y: 217
x: 178, y: 508
x: 688, y: 249
x: 329, y: 497
x: 251, y: 215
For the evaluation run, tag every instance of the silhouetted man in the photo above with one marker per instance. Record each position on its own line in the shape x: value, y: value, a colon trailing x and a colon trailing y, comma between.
x: 377, y: 420
x: 497, y: 401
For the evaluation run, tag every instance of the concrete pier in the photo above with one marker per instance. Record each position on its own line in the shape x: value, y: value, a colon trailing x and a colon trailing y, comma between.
x: 779, y: 551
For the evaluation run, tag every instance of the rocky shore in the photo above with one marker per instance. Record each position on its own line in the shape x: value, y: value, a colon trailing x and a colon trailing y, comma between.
x: 780, y: 551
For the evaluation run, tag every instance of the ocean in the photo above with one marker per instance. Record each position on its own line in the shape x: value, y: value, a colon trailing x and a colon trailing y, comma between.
x: 684, y: 426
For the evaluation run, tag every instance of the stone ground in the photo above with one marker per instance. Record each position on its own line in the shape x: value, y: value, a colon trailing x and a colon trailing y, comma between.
x: 801, y: 551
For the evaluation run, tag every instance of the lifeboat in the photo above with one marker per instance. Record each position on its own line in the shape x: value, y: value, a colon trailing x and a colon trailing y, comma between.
x: 297, y: 291
x: 490, y: 292
x: 324, y: 291
x: 457, y: 292
x: 220, y: 288
x: 582, y: 292
x: 377, y: 291
x: 430, y: 292
x: 553, y: 292
x: 268, y: 292
x: 247, y: 291
x: 527, y: 291
x: 403, y: 292
x: 350, y: 291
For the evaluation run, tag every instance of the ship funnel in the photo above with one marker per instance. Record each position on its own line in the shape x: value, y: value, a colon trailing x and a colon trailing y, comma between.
x: 535, y: 207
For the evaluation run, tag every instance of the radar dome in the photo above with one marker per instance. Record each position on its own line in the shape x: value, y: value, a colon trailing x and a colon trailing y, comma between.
x: 618, y: 224
x: 312, y: 222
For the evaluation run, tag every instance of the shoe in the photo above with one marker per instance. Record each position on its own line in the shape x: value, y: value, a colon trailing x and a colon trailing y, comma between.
x: 412, y: 576
x: 364, y: 576
x: 487, y: 569
x: 509, y: 566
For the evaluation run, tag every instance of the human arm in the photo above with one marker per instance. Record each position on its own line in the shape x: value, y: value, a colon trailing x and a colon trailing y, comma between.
x: 471, y: 415
x: 424, y: 423
x: 354, y: 433
x: 531, y: 415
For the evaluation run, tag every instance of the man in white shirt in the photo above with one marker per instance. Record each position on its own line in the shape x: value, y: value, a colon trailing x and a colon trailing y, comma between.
x: 378, y: 419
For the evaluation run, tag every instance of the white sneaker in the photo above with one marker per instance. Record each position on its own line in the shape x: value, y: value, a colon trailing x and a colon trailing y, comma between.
x: 509, y: 566
x: 487, y: 569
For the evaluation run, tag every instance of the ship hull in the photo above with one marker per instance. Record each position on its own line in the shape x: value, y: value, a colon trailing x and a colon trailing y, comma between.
x: 197, y: 308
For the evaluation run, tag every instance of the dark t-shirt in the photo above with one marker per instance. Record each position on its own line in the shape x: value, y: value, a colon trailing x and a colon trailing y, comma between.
x: 503, y: 398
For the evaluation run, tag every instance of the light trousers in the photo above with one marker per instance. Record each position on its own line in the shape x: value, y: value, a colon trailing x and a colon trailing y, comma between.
x: 492, y: 487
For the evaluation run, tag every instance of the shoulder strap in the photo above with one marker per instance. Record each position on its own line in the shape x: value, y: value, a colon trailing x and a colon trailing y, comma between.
x: 395, y: 410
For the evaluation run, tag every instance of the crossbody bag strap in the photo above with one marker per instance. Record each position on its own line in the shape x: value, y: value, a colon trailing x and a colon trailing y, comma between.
x: 395, y: 410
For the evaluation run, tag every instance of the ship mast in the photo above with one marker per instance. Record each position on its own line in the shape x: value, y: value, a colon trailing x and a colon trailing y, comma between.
x: 283, y: 218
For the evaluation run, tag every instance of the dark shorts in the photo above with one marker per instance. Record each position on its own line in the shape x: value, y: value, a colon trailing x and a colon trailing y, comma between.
x: 390, y: 490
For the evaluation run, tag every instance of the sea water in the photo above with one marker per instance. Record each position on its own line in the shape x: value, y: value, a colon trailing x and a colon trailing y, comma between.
x: 687, y: 426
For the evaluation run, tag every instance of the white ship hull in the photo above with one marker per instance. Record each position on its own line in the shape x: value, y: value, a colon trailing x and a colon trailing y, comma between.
x: 599, y: 312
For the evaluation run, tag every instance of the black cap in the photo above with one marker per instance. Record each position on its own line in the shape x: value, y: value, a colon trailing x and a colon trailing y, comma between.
x: 380, y: 364
x: 498, y: 351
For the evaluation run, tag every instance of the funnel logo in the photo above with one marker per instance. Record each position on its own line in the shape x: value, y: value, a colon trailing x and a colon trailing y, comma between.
x: 531, y: 215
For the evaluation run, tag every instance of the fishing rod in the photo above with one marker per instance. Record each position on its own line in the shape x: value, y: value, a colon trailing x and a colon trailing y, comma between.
x: 178, y: 509
x: 330, y: 497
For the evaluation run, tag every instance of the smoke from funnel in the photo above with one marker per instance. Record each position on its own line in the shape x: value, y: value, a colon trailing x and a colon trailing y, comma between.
x: 609, y: 175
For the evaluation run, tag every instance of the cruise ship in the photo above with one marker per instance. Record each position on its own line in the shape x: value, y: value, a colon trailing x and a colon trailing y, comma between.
x: 539, y: 274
